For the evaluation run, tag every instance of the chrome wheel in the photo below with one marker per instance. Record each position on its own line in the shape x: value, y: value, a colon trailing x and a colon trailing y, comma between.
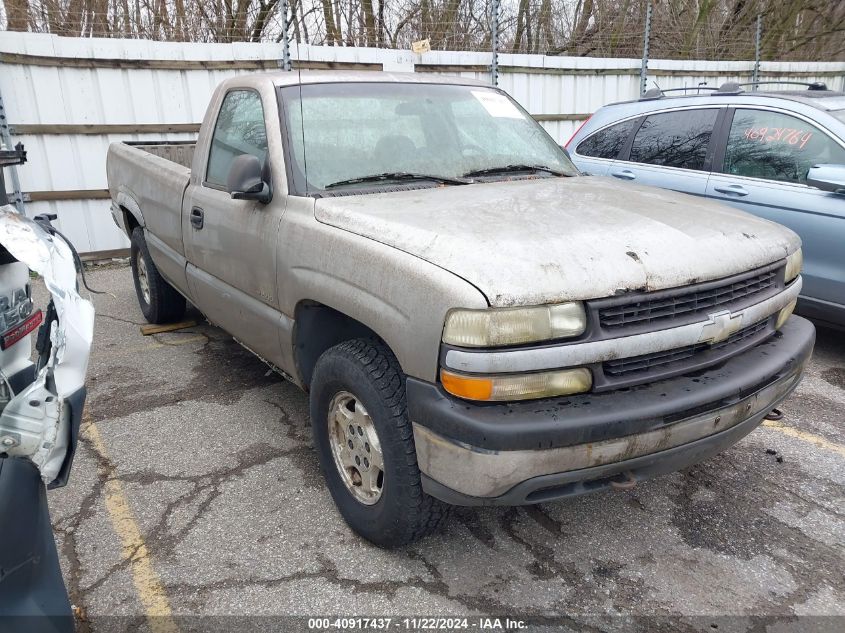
x: 356, y: 448
x: 143, y: 278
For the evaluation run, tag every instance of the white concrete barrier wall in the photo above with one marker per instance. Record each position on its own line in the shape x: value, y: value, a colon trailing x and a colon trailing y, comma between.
x: 48, y: 82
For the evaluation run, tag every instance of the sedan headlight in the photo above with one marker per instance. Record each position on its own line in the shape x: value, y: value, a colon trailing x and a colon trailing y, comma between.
x: 793, y: 265
x: 512, y: 326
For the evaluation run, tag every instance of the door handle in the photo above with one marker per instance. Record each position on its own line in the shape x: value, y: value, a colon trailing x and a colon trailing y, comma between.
x: 732, y: 190
x: 625, y: 174
x: 197, y: 217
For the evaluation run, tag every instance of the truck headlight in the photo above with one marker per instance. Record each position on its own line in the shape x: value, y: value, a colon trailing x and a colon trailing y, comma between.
x: 793, y: 265
x: 544, y: 384
x: 512, y: 326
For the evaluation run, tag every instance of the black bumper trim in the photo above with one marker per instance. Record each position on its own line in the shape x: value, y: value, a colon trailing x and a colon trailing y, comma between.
x: 578, y: 482
x: 573, y: 420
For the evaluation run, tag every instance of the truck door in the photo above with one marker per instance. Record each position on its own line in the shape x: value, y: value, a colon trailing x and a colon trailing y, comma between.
x: 231, y: 244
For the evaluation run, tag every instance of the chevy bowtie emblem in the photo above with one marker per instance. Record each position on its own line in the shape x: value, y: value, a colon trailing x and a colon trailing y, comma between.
x: 720, y: 326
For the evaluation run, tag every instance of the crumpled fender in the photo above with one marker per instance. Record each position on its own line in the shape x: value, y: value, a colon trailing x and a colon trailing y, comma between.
x: 38, y: 418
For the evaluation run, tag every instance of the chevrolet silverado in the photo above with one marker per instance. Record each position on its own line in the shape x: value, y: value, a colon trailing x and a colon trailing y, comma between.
x: 475, y: 321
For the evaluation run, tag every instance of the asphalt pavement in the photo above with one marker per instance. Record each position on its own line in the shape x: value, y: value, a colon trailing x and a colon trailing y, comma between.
x: 196, y: 493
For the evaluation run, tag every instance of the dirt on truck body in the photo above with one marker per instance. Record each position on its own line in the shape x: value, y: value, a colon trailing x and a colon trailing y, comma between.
x: 475, y: 321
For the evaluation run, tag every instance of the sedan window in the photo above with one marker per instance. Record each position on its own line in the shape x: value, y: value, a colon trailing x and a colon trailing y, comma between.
x: 777, y: 146
x: 606, y: 143
x: 675, y: 139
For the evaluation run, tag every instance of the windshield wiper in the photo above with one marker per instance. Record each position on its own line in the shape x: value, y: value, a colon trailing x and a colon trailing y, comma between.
x: 398, y: 175
x: 507, y: 169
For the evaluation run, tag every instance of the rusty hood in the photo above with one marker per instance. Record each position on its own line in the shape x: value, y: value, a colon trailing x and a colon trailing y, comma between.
x: 545, y: 240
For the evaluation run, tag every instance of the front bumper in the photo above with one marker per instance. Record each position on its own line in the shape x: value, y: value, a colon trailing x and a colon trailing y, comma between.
x: 513, y: 454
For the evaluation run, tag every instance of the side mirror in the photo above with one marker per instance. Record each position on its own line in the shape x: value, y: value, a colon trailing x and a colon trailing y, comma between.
x: 246, y: 180
x: 827, y: 177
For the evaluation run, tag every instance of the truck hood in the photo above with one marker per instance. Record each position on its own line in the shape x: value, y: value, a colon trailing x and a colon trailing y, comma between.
x: 547, y: 240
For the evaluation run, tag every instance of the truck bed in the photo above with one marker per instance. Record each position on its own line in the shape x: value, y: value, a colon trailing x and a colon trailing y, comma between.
x: 181, y: 152
x: 149, y: 178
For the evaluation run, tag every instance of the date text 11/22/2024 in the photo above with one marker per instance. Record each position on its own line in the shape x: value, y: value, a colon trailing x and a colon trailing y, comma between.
x: 416, y: 624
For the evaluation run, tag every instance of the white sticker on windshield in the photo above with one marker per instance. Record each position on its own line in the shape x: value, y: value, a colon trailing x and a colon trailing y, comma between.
x: 498, y: 105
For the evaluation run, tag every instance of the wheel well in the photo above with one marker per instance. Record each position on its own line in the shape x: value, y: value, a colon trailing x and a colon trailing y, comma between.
x: 319, y: 327
x: 129, y: 220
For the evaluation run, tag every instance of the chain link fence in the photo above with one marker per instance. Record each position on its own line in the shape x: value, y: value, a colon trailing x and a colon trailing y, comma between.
x: 170, y: 54
x: 805, y: 30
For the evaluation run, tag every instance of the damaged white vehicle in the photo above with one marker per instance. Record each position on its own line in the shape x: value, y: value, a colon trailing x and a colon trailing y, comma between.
x: 41, y: 399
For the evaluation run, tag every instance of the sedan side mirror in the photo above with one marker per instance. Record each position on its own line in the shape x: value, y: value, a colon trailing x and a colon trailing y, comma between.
x: 246, y: 180
x: 827, y: 177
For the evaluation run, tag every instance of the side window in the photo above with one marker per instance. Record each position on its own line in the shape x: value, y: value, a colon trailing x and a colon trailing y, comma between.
x: 606, y: 143
x: 239, y: 130
x: 777, y: 146
x: 675, y: 139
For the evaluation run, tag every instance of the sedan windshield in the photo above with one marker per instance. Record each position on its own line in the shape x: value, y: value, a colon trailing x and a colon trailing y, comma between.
x: 371, y: 135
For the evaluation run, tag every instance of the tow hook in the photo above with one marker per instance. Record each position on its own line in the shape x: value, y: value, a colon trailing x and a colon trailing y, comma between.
x: 774, y: 415
x: 626, y: 484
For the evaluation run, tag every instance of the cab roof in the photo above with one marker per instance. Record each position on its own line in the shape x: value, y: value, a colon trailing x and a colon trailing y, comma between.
x: 281, y: 78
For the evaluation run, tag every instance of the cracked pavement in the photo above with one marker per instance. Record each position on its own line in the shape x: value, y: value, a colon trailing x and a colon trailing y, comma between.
x: 214, y: 456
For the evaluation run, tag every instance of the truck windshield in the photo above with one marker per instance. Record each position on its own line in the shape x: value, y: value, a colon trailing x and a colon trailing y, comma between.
x: 358, y: 135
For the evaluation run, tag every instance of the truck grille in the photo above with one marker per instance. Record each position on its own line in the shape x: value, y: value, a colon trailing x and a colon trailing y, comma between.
x: 692, y: 355
x: 685, y: 303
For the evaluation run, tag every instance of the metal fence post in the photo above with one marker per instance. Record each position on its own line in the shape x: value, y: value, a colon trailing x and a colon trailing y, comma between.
x: 6, y: 138
x: 494, y: 42
x: 283, y: 7
x: 755, y: 75
x: 646, y: 37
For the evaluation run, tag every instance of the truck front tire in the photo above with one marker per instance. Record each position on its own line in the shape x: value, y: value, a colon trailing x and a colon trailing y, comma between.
x: 159, y: 301
x: 365, y: 444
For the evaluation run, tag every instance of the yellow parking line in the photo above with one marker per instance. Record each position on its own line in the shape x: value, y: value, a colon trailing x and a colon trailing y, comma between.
x: 807, y: 437
x: 147, y: 582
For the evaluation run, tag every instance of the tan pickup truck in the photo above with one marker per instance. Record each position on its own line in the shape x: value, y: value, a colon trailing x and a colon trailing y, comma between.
x: 476, y: 322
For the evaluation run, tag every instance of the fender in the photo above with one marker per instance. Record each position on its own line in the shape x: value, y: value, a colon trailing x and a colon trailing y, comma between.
x: 126, y: 200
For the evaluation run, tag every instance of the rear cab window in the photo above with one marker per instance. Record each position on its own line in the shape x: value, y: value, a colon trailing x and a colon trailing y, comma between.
x: 776, y: 146
x: 675, y: 139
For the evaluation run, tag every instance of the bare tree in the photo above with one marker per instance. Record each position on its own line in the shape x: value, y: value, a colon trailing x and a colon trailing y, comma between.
x: 703, y: 29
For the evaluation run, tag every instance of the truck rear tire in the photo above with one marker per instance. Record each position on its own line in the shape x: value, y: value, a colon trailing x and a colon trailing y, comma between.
x: 159, y: 301
x: 365, y: 444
